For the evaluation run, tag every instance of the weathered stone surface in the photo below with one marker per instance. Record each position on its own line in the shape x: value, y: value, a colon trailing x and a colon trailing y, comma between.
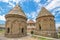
x: 16, y: 25
x: 45, y: 24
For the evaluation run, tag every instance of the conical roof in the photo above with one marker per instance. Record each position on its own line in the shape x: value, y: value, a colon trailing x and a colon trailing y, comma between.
x: 17, y: 10
x: 44, y: 12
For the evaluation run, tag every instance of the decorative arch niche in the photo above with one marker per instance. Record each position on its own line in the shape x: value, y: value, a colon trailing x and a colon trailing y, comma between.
x: 8, y: 23
x: 15, y: 26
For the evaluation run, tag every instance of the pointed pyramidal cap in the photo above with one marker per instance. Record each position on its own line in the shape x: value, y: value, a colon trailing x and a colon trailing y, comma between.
x: 17, y: 10
x: 44, y: 12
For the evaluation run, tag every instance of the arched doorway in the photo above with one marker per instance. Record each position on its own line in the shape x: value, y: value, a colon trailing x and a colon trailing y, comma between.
x: 32, y: 32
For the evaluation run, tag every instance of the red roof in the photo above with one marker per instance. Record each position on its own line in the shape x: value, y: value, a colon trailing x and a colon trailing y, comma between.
x: 30, y: 21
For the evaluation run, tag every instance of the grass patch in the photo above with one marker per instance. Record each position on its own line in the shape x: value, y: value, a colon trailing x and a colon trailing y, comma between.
x: 40, y: 38
x: 59, y: 35
x: 1, y: 31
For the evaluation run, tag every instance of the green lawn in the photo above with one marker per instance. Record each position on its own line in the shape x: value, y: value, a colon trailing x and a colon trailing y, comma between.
x: 59, y: 35
x: 2, y: 31
x: 41, y: 38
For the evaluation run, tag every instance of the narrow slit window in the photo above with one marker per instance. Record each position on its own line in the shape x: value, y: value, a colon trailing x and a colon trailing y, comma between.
x: 22, y: 30
x: 8, y: 30
x: 39, y: 27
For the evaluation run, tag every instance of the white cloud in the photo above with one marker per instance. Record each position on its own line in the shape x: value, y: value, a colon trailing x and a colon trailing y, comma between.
x: 53, y: 4
x: 27, y: 14
x: 2, y: 17
x: 49, y: 0
x: 57, y: 25
x: 5, y: 1
x: 17, y: 1
x: 8, y: 1
x: 1, y: 10
x: 57, y: 9
x: 57, y: 14
x: 11, y: 4
x: 37, y: 1
x: 33, y: 14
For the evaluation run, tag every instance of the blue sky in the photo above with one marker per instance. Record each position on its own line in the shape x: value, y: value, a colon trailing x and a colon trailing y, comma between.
x: 31, y: 8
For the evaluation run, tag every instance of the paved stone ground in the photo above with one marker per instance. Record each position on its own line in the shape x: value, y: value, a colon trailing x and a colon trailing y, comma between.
x: 22, y: 38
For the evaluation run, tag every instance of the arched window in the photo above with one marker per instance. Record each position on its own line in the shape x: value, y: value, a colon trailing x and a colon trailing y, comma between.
x: 8, y: 30
x: 22, y: 30
x: 39, y: 27
x: 51, y: 19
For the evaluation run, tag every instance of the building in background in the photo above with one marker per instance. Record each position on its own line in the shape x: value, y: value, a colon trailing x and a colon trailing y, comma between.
x: 31, y: 27
x: 59, y: 32
x: 2, y: 26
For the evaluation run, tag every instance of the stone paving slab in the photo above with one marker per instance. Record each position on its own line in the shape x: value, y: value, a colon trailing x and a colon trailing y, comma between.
x: 25, y: 38
x: 22, y: 38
